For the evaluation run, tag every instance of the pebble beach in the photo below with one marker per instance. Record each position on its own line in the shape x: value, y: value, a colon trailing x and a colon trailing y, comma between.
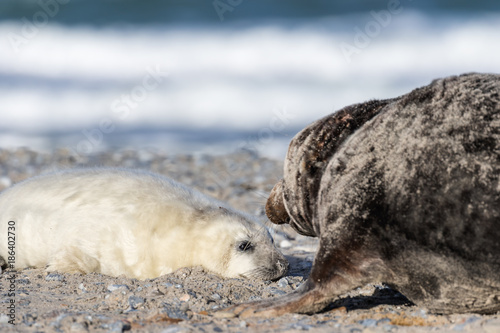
x: 186, y: 300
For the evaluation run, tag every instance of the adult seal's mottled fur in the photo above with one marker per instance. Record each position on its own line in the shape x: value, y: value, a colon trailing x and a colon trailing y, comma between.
x: 140, y: 224
x: 403, y: 191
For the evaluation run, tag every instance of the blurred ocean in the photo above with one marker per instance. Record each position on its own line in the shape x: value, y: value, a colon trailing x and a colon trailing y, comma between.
x: 218, y: 76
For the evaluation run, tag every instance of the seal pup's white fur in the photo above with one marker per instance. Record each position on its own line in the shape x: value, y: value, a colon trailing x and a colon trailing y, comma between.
x: 140, y: 224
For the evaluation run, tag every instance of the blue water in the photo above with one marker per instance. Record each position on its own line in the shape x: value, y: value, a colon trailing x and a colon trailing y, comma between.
x: 164, y: 12
x: 218, y: 76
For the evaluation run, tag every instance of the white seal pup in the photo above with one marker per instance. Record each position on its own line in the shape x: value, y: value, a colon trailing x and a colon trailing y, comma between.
x: 136, y: 223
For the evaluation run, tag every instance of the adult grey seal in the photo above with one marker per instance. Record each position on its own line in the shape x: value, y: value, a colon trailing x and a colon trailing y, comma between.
x: 140, y: 224
x: 403, y: 191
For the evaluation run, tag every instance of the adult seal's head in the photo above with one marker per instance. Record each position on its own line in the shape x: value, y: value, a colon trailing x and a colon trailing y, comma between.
x: 307, y: 157
x: 403, y: 191
x: 139, y: 224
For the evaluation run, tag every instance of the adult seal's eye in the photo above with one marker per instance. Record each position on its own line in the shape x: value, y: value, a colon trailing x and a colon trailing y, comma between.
x: 245, y: 246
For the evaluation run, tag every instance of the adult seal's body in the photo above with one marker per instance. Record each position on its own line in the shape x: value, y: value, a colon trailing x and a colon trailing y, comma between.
x: 403, y: 191
x: 143, y: 225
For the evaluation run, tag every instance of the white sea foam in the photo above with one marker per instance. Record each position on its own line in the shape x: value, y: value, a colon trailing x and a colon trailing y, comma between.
x: 70, y: 79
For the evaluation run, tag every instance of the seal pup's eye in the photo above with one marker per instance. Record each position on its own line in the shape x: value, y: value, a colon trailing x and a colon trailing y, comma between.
x: 245, y: 246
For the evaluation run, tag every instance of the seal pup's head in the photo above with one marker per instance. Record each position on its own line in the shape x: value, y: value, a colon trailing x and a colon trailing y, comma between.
x: 246, y: 247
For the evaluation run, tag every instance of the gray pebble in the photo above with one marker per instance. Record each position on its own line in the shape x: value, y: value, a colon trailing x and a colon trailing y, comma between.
x: 420, y: 313
x: 275, y: 291
x: 22, y: 292
x: 175, y: 313
x: 175, y: 329
x: 369, y: 322
x: 390, y: 328
x: 467, y: 323
x: 472, y: 320
x: 215, y: 297
x: 184, y: 307
x: 283, y: 282
x: 29, y: 318
x: 135, y: 301
x: 179, y: 286
x: 57, y: 322
x: 122, y: 287
x: 119, y: 326
x: 383, y: 321
x: 300, y: 326
x: 168, y: 284
x: 54, y: 277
